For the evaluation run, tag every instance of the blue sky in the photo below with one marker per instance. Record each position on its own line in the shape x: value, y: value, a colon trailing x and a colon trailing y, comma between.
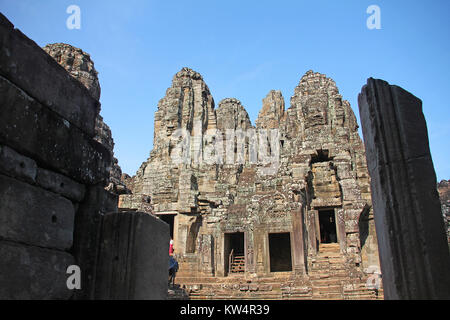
x: 244, y: 49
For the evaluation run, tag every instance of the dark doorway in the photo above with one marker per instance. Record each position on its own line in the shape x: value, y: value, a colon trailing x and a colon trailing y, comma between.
x: 280, y: 252
x: 327, y: 222
x: 234, y: 252
x: 363, y: 224
x: 322, y: 156
x: 169, y: 219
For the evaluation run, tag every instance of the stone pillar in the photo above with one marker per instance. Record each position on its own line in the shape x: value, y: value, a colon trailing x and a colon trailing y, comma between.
x: 297, y: 242
x: 340, y: 226
x: 414, y: 254
x: 313, y: 227
x: 260, y: 244
x: 206, y: 251
x: 250, y: 255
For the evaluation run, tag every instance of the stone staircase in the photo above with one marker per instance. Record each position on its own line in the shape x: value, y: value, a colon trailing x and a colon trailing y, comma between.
x: 332, y: 279
x: 238, y: 264
x: 328, y: 272
x: 235, y: 286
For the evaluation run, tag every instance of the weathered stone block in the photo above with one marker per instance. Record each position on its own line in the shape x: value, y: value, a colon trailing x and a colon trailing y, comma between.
x: 28, y: 272
x: 16, y: 165
x: 352, y: 240
x: 34, y: 216
x: 86, y: 239
x: 133, y: 260
x: 299, y: 171
x: 60, y: 184
x: 243, y: 287
x: 265, y: 287
x: 37, y: 132
x: 25, y: 64
x: 351, y: 226
x: 253, y: 287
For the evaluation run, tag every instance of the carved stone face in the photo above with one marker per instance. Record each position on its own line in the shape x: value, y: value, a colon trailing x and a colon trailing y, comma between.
x: 78, y: 63
x: 315, y: 112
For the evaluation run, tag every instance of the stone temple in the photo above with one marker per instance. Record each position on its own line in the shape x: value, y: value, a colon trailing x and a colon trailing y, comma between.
x: 279, y: 209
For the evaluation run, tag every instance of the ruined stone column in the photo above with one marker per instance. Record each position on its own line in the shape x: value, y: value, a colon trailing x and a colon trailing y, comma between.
x: 413, y: 250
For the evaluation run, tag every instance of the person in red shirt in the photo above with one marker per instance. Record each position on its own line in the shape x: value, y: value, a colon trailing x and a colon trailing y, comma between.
x: 171, y: 247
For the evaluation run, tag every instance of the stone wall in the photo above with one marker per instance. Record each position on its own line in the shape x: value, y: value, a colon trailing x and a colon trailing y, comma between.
x: 79, y: 64
x: 49, y: 166
x: 54, y: 166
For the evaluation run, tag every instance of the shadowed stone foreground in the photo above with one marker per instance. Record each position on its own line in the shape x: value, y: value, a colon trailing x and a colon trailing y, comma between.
x: 412, y: 241
x: 56, y: 159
